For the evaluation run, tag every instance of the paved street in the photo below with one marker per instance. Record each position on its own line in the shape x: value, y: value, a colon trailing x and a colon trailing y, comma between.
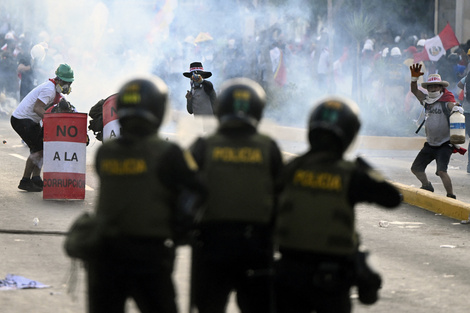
x: 423, y: 257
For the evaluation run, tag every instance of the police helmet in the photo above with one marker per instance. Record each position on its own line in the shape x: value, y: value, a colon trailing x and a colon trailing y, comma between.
x: 337, y: 117
x: 241, y: 101
x: 141, y: 105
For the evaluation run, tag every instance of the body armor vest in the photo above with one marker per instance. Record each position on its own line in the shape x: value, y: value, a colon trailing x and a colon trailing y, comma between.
x: 240, y: 180
x: 132, y: 198
x: 315, y: 215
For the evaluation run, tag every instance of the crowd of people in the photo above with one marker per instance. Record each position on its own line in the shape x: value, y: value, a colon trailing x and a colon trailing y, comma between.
x: 280, y: 64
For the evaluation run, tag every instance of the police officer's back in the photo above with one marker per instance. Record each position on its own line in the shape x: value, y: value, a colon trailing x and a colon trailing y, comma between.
x: 140, y: 179
x: 315, y: 229
x: 240, y: 166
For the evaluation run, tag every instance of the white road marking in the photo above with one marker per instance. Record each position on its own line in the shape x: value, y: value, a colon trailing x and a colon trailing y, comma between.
x: 18, y: 156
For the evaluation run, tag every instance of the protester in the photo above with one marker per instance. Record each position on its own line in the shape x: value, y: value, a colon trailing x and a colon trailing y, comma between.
x: 8, y: 74
x: 451, y: 71
x: 200, y: 100
x: 26, y: 69
x: 315, y: 230
x: 27, y: 117
x: 463, y: 58
x: 438, y: 104
x: 395, y: 82
x: 141, y: 176
x: 233, y: 248
x: 323, y: 65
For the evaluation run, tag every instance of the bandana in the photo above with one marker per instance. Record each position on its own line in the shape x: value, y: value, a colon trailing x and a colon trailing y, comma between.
x: 58, y: 96
x: 446, y: 96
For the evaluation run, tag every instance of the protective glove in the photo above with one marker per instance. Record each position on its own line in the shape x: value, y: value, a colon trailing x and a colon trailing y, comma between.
x: 459, y: 149
x: 416, y: 71
x: 197, y: 78
x: 457, y: 108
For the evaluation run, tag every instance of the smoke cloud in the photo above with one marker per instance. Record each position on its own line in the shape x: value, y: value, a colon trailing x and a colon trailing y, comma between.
x: 109, y: 42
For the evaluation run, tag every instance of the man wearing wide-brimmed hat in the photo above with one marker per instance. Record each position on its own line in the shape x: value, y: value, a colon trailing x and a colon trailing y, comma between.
x: 438, y: 103
x: 200, y: 100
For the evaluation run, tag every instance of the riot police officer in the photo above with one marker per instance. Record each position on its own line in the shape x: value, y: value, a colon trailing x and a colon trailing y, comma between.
x: 233, y: 249
x: 315, y: 228
x: 141, y: 176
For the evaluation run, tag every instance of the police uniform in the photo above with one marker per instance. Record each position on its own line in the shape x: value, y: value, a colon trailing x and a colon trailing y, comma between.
x: 140, y: 182
x: 315, y: 230
x: 141, y: 177
x: 233, y: 248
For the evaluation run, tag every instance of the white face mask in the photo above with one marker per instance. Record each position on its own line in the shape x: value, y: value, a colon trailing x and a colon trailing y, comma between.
x: 64, y: 89
x: 434, y: 94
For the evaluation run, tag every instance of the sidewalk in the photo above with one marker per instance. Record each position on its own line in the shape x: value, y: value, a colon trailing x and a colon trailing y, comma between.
x: 395, y: 165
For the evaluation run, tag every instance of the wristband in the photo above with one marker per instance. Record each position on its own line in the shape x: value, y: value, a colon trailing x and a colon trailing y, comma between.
x: 414, y: 79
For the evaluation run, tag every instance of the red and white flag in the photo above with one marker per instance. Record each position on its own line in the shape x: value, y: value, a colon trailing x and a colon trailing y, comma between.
x: 435, y: 47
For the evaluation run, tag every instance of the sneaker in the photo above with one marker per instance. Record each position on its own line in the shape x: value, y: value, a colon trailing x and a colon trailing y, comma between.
x: 37, y: 181
x: 429, y: 187
x: 28, y: 185
x: 449, y: 195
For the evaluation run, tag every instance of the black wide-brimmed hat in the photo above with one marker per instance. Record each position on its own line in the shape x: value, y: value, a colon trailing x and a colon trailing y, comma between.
x: 198, y: 69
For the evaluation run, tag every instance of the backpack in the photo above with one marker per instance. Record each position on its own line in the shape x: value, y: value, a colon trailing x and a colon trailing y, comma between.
x: 96, y: 122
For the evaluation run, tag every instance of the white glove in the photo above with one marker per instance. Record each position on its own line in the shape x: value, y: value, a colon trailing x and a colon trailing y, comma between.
x: 457, y: 108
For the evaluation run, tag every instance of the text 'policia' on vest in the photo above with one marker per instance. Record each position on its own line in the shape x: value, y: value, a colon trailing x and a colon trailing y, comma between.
x: 315, y: 230
x: 237, y: 155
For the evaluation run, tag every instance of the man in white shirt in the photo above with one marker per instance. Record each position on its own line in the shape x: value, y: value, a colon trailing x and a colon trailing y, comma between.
x: 26, y: 119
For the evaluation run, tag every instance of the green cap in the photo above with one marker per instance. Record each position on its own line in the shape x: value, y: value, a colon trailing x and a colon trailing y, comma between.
x: 64, y: 72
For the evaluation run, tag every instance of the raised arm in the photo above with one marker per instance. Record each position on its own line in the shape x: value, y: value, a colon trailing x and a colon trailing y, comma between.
x: 415, y: 74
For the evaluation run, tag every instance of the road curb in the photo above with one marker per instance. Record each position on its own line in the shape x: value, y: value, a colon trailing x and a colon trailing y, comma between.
x: 363, y: 142
x: 435, y: 203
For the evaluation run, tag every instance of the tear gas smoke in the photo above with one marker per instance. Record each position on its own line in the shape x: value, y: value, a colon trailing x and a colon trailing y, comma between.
x: 108, y: 42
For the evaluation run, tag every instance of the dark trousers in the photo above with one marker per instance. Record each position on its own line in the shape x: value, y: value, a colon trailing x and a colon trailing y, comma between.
x: 304, y: 286
x: 132, y: 268
x: 429, y: 153
x: 232, y: 258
